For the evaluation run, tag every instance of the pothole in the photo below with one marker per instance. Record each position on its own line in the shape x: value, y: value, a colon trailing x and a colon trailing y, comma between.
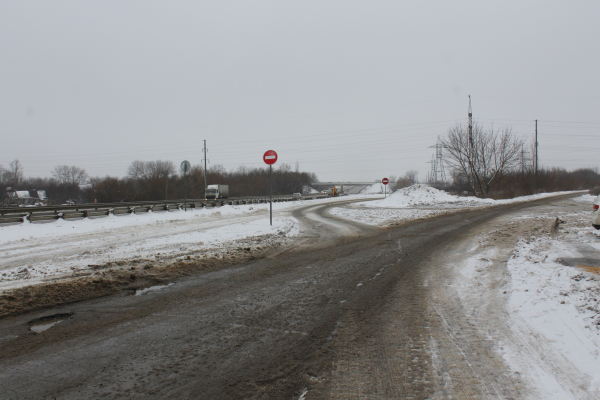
x: 151, y: 289
x: 44, y: 323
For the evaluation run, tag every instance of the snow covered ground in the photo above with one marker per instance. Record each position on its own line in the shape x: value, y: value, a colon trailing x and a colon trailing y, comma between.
x: 545, y: 292
x: 39, y: 252
x: 419, y: 201
x: 549, y: 292
x: 376, y: 188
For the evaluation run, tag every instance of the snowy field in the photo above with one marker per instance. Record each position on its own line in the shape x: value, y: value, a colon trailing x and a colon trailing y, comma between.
x: 550, y: 293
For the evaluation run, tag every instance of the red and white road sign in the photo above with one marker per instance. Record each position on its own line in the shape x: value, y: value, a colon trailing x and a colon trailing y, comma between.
x: 385, y: 181
x: 270, y: 157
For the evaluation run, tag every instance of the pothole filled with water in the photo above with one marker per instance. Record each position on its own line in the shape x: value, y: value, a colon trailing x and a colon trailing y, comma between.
x: 44, y: 323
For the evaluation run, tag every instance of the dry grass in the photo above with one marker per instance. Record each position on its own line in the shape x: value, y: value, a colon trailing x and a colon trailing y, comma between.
x: 587, y: 268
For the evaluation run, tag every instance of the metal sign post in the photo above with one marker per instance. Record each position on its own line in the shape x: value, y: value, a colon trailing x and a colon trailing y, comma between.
x: 271, y: 195
x: 185, y: 167
x: 385, y: 181
x: 270, y: 158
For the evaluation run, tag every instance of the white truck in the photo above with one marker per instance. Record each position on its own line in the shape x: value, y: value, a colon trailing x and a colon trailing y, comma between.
x: 216, y: 192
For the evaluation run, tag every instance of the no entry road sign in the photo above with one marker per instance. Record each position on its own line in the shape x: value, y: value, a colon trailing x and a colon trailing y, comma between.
x: 385, y: 181
x: 270, y: 157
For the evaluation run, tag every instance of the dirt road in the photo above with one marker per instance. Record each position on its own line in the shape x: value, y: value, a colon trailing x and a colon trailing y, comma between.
x: 351, y: 312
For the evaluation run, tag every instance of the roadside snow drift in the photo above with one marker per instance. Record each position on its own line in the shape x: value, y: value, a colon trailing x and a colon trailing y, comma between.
x: 421, y: 195
x: 417, y: 202
x: 539, y: 297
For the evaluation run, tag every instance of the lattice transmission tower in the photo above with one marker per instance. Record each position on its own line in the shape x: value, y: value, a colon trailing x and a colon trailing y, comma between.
x: 438, y: 173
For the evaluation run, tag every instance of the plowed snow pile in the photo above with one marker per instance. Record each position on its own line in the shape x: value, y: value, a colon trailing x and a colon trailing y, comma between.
x: 417, y: 202
x: 423, y: 195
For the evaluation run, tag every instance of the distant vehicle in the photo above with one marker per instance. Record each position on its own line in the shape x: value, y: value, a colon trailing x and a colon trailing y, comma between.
x: 333, y: 192
x: 596, y: 215
x: 216, y: 192
x: 296, y: 196
x: 25, y: 198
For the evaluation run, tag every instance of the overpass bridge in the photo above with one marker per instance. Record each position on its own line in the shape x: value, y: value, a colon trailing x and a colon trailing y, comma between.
x: 350, y: 187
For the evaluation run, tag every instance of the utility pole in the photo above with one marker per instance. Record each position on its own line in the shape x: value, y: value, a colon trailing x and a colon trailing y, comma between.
x: 470, y: 124
x: 205, y: 150
x: 536, y: 150
x: 471, y: 149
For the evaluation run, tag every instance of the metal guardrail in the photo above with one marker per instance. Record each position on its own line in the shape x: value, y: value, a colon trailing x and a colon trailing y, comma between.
x: 79, y: 211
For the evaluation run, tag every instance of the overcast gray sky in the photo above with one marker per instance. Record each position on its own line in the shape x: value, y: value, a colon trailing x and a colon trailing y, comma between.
x: 350, y: 90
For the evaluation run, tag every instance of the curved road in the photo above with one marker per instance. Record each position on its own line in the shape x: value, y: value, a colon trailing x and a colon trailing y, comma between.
x: 346, y: 314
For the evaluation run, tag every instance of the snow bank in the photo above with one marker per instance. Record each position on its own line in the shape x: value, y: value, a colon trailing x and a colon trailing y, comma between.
x: 422, y: 195
x: 418, y: 201
x: 549, y: 292
x: 586, y: 198
x: 417, y: 195
x: 560, y: 304
x: 33, y: 252
x: 374, y: 189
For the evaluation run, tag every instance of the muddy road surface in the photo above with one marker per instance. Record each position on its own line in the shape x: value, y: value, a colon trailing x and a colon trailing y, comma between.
x: 349, y: 312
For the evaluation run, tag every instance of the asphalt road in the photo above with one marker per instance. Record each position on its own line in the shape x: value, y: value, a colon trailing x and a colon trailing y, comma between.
x: 345, y: 314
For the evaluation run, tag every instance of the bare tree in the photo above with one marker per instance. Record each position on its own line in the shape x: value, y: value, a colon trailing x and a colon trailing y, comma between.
x: 69, y: 175
x: 137, y: 170
x: 409, y: 178
x: 160, y: 169
x: 484, y: 157
x: 392, y: 185
x: 14, y: 174
x: 148, y: 172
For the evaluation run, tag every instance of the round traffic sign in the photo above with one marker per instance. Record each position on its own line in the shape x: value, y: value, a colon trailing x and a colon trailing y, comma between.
x: 185, y: 166
x: 270, y: 157
x: 385, y: 181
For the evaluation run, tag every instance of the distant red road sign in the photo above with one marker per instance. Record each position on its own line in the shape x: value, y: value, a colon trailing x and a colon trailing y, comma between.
x: 270, y: 157
x: 385, y: 181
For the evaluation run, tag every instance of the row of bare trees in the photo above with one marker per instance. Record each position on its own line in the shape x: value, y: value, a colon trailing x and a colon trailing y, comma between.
x: 496, y: 163
x: 70, y: 175
x: 153, y: 181
x: 13, y: 175
x: 65, y: 184
x: 160, y: 180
